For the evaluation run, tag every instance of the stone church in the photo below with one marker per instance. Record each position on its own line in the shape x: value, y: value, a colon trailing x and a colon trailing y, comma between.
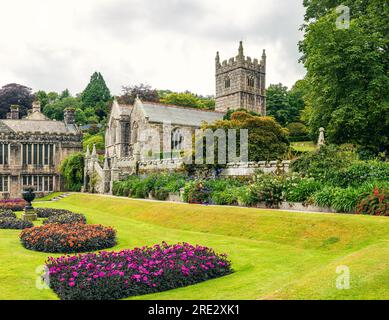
x: 32, y: 148
x: 150, y: 136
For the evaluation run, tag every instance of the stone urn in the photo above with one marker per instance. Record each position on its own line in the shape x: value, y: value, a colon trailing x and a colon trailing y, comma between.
x: 29, y: 214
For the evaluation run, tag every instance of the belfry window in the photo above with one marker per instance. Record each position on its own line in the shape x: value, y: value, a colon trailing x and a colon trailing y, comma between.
x: 227, y: 83
x: 250, y: 82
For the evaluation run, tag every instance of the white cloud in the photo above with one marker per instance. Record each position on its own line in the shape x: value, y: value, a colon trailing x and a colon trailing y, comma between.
x: 170, y: 44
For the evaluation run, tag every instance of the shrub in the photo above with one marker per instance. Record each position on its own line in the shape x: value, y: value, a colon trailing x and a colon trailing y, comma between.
x: 72, y: 169
x: 197, y: 192
x: 268, y: 188
x: 12, y: 204
x: 7, y: 214
x: 376, y: 203
x: 12, y: 223
x: 66, y: 218
x: 67, y: 238
x: 225, y: 197
x: 299, y: 190
x: 49, y: 212
x: 160, y: 194
x: 116, y: 275
x: 345, y: 200
x: 325, y: 197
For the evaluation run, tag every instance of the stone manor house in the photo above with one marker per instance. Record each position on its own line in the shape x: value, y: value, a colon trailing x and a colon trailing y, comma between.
x: 32, y: 148
x: 147, y: 137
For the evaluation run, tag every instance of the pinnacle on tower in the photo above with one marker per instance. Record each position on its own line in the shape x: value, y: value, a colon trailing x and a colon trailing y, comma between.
x: 106, y: 165
x: 217, y: 59
x: 87, y: 155
x: 241, y: 49
x: 94, y: 153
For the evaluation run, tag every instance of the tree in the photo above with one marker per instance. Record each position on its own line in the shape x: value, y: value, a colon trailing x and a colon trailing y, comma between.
x: 56, y: 109
x: 267, y: 140
x: 72, y: 169
x: 144, y: 91
x: 15, y: 94
x: 347, y: 71
x: 187, y: 99
x: 96, y: 94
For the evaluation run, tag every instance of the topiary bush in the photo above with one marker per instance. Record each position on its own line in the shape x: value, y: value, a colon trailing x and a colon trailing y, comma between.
x: 376, y: 203
x: 68, y: 238
x: 12, y: 223
x: 117, y: 275
x: 66, y: 218
x: 7, y: 214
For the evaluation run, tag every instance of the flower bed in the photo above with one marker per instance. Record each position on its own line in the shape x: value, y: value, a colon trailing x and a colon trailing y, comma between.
x: 67, y: 238
x: 13, y: 223
x: 66, y: 218
x: 376, y: 203
x: 7, y: 214
x: 115, y: 275
x: 12, y: 204
x: 49, y: 212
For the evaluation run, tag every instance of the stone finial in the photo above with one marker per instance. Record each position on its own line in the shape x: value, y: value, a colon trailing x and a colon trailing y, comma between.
x: 321, y: 140
x: 87, y: 154
x: 241, y: 49
x: 94, y: 152
x: 217, y: 59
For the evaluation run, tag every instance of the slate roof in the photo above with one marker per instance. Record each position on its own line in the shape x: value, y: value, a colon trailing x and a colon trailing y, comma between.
x: 43, y: 126
x: 179, y: 115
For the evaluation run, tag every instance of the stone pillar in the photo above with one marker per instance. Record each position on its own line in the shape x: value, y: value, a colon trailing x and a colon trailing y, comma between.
x: 321, y: 140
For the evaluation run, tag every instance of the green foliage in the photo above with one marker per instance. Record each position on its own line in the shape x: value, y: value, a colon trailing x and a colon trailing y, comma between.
x: 90, y: 140
x: 13, y: 223
x: 297, y: 131
x: 269, y: 189
x: 188, y: 99
x: 297, y: 189
x: 267, y: 140
x: 72, y: 169
x: 347, y: 72
x: 283, y: 104
x: 96, y: 91
x: 55, y: 109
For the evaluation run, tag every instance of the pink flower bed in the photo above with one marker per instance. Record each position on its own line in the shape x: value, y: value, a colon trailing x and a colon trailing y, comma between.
x: 115, y: 275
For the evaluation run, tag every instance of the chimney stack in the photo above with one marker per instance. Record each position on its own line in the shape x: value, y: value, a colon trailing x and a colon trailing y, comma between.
x: 14, y: 112
x: 69, y: 116
x: 36, y: 106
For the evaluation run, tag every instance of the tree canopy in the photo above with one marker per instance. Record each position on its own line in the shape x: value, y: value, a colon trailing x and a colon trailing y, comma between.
x: 347, y: 72
x: 15, y: 94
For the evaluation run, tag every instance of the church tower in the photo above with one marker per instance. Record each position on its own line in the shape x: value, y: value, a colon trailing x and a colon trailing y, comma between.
x: 241, y: 83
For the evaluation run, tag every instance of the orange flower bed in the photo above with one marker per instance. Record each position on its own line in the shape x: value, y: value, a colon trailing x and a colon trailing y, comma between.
x: 68, y: 238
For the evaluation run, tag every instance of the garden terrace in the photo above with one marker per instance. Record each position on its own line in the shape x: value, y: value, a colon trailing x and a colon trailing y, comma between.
x: 274, y: 254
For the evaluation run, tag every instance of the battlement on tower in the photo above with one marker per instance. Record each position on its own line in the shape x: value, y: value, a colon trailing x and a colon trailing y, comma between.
x: 240, y: 83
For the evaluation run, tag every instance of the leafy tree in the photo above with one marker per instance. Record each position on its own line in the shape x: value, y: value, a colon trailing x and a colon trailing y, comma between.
x: 144, y: 91
x: 297, y: 131
x: 187, y: 99
x: 72, y: 169
x: 267, y: 139
x: 96, y: 94
x: 347, y: 72
x: 97, y: 139
x: 15, y: 94
x: 56, y: 109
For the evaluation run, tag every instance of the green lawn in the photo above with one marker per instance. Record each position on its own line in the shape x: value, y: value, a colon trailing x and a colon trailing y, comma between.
x: 304, y: 146
x: 50, y: 196
x: 275, y: 254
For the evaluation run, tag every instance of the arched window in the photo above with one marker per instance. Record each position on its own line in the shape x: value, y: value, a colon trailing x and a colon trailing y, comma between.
x: 250, y: 82
x: 177, y: 140
x: 227, y: 83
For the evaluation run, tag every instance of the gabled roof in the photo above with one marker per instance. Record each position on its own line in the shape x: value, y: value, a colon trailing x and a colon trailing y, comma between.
x: 157, y: 112
x: 43, y: 126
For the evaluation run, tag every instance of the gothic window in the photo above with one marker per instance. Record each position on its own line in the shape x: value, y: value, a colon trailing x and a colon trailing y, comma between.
x: 227, y: 83
x: 250, y: 82
x: 177, y: 139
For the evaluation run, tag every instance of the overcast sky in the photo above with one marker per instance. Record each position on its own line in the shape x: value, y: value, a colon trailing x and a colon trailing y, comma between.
x: 169, y: 44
